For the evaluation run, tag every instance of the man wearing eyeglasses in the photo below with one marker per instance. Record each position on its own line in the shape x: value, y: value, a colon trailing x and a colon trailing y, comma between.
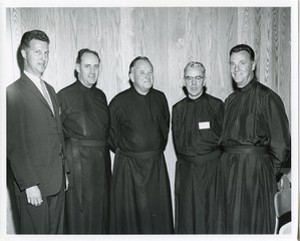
x: 197, y: 125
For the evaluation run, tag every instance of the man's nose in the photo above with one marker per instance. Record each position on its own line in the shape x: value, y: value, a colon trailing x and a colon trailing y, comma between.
x: 43, y: 56
x: 236, y: 68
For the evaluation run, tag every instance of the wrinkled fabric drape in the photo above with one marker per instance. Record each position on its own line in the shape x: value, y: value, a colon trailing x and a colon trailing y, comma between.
x: 141, y: 198
x: 85, y: 118
x: 254, y: 117
x: 198, y: 155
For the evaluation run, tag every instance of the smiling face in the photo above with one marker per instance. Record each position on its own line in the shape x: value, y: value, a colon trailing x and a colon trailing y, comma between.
x: 142, y: 76
x: 194, y: 81
x: 88, y: 69
x: 36, y: 57
x: 241, y: 68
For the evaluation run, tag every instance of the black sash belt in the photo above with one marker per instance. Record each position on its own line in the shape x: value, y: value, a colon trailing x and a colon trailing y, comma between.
x: 252, y: 150
x: 84, y: 142
x: 200, y: 159
x: 140, y: 155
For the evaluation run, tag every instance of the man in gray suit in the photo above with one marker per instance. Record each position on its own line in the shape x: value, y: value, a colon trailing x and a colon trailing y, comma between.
x: 35, y: 142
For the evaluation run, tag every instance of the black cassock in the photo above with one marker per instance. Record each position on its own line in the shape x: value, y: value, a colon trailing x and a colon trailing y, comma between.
x: 85, y: 118
x: 256, y: 142
x: 141, y: 199
x: 196, y: 126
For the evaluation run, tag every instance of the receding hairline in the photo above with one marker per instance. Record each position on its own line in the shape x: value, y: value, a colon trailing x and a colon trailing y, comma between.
x: 194, y: 65
x: 136, y: 59
x: 140, y: 61
x: 91, y: 53
x: 83, y: 51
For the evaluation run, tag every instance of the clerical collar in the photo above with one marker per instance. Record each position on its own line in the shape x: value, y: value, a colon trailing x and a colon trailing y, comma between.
x: 248, y: 86
x: 197, y: 99
x: 83, y: 87
x: 139, y: 94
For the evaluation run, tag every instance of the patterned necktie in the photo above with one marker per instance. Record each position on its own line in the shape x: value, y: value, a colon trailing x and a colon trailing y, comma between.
x: 46, y: 95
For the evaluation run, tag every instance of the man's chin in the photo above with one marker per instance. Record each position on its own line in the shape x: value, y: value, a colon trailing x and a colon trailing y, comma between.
x: 194, y: 92
x: 238, y: 81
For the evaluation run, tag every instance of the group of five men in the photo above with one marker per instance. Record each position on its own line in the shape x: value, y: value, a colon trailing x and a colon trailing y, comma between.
x: 227, y: 156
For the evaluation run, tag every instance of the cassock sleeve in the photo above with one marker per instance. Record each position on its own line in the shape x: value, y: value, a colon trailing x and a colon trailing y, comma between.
x: 17, y: 148
x: 166, y: 117
x: 115, y: 113
x: 62, y: 106
x: 175, y: 126
x: 63, y: 115
x: 280, y: 139
x: 217, y: 107
x: 220, y: 115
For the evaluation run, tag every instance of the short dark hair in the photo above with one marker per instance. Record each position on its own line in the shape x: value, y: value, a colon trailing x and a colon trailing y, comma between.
x: 133, y: 62
x: 241, y: 47
x: 79, y: 55
x: 83, y: 51
x: 33, y: 34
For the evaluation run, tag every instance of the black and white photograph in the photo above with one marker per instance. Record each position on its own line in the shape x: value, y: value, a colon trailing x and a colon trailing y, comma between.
x: 149, y: 120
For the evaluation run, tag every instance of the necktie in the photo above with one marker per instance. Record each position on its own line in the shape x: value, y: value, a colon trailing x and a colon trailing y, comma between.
x: 46, y: 95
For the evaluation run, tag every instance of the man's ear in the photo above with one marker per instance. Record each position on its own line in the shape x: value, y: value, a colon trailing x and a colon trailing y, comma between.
x: 23, y: 53
x: 253, y: 65
x: 184, y: 82
x: 131, y: 77
x: 77, y: 68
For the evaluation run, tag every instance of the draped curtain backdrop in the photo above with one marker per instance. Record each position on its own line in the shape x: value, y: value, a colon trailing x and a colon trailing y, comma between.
x: 170, y: 37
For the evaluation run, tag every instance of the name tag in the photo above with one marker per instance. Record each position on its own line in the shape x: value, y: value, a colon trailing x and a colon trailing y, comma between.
x: 204, y: 125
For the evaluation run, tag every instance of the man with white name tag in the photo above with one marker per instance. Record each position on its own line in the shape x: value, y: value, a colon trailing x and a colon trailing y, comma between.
x: 196, y: 125
x: 256, y: 141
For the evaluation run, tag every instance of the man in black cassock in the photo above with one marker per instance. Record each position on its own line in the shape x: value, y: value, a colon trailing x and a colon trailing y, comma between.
x: 85, y: 118
x: 256, y: 142
x: 140, y: 200
x: 196, y: 124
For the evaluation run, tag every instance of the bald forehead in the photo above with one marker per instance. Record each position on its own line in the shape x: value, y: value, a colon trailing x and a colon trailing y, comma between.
x: 195, y: 68
x: 142, y: 62
x: 88, y: 56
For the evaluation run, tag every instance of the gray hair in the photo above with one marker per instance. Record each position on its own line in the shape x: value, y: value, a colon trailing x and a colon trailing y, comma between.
x: 194, y: 64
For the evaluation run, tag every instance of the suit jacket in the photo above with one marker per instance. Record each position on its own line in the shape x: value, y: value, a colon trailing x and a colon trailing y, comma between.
x: 34, y: 138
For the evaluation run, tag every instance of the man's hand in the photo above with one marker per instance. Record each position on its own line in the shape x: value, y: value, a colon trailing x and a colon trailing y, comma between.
x: 34, y: 196
x: 67, y: 182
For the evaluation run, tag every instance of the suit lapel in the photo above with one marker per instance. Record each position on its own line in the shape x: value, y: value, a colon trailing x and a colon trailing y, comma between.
x: 32, y: 87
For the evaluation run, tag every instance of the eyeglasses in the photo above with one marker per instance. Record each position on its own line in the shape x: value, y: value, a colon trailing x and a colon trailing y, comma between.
x: 198, y: 78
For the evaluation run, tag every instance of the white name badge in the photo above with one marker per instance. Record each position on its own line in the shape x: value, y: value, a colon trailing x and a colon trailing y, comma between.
x: 204, y: 125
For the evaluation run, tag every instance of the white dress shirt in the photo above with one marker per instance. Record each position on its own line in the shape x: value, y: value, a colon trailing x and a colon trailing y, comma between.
x: 37, y: 81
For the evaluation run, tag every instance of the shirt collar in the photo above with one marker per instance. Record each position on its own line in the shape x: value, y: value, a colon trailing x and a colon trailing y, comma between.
x: 36, y: 80
x: 249, y: 85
